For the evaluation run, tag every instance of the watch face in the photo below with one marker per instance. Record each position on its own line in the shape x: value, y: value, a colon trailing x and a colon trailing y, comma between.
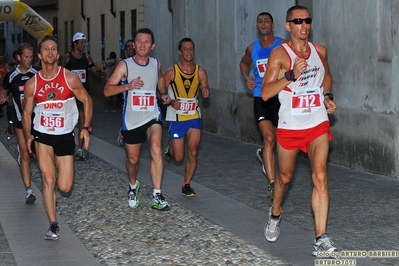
x: 289, y: 75
x: 329, y: 95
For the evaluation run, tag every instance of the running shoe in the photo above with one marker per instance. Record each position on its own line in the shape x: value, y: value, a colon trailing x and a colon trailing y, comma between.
x: 19, y: 155
x: 159, y: 203
x: 11, y: 128
x: 79, y: 155
x: 133, y: 196
x: 324, y: 247
x: 168, y: 156
x: 53, y: 232
x: 8, y: 135
x: 270, y: 189
x: 272, y: 229
x: 119, y: 139
x: 188, y: 191
x: 29, y: 196
x: 65, y: 194
x: 259, y: 155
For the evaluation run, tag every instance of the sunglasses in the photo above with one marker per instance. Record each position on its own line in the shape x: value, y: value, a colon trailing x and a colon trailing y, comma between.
x: 299, y: 21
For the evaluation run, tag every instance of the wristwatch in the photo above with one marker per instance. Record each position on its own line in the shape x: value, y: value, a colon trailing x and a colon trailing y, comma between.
x: 88, y: 129
x: 290, y: 75
x: 329, y: 95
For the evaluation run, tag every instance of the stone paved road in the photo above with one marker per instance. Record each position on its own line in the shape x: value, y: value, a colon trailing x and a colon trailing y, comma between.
x: 363, y: 207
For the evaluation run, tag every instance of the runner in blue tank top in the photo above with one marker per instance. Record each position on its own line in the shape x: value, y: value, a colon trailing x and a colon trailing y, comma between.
x: 266, y: 112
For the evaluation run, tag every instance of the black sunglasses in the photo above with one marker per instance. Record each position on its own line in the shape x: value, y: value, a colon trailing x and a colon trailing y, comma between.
x: 299, y: 21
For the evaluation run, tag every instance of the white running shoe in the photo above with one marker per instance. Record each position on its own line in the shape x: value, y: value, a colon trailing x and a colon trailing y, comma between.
x: 119, y: 139
x: 259, y: 155
x: 272, y: 229
x: 133, y: 196
x: 19, y: 155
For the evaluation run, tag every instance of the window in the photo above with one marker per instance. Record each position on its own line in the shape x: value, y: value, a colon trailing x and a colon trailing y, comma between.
x: 102, y: 34
x: 82, y: 9
x: 55, y: 26
x: 122, y: 31
x: 88, y: 35
x: 66, y: 37
x: 133, y: 17
x: 72, y: 27
x: 112, y: 8
x: 384, y: 31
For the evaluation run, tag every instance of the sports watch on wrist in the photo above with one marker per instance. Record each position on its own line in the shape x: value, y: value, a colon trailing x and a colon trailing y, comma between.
x: 88, y: 129
x: 290, y: 75
x: 329, y: 95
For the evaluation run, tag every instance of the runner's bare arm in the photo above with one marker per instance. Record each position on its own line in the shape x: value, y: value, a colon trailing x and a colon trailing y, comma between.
x: 169, y: 75
x: 203, y: 79
x: 81, y: 94
x: 274, y: 80
x: 112, y: 87
x: 94, y: 67
x: 63, y: 60
x: 245, y: 65
x: 162, y: 85
x: 29, y: 102
x: 328, y: 80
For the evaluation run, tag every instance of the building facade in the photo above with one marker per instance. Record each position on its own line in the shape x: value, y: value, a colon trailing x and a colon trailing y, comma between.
x: 360, y: 36
x: 106, y: 24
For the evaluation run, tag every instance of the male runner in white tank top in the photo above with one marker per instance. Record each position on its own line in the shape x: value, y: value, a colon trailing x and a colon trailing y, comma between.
x: 141, y: 115
x: 298, y: 72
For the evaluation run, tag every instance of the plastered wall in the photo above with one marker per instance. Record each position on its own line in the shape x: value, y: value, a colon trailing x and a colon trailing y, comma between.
x: 360, y: 36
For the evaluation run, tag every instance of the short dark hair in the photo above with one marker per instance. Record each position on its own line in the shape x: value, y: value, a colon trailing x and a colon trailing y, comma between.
x: 22, y: 47
x: 112, y: 55
x: 264, y: 14
x: 130, y: 40
x: 47, y: 38
x: 146, y: 31
x: 14, y: 54
x: 289, y: 11
x: 185, y: 40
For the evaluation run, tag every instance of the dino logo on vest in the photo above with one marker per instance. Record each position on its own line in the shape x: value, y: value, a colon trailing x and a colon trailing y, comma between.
x: 53, y: 105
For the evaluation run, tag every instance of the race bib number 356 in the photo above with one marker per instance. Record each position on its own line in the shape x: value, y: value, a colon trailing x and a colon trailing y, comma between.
x: 52, y: 120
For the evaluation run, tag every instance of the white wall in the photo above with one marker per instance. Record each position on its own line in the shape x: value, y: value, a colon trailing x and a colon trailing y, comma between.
x: 362, y: 44
x: 360, y: 36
